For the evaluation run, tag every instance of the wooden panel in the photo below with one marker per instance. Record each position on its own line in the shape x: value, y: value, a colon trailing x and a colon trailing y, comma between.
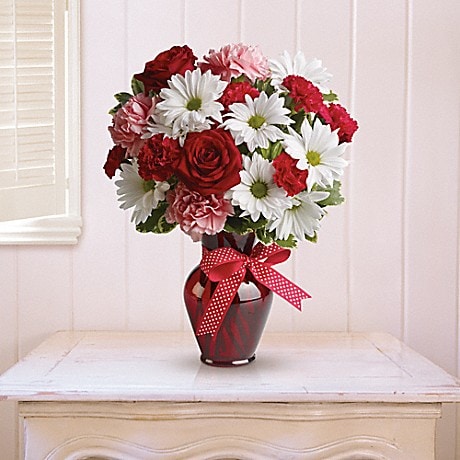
x: 99, y: 260
x: 8, y: 346
x: 321, y: 269
x: 152, y: 26
x: 433, y: 193
x: 269, y: 24
x: 44, y: 295
x: 155, y: 280
x: 154, y: 262
x: 376, y: 172
x: 8, y: 310
x: 432, y: 190
x: 261, y: 25
x: 221, y: 26
x: 333, y: 48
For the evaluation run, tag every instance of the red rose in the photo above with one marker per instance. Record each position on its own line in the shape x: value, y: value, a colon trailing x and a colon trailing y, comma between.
x: 158, y: 158
x: 156, y: 73
x: 116, y: 155
x: 288, y: 176
x: 235, y: 92
x: 341, y: 120
x: 210, y: 162
x: 304, y: 94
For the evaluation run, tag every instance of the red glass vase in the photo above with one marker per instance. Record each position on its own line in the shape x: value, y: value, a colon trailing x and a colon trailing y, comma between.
x: 235, y: 342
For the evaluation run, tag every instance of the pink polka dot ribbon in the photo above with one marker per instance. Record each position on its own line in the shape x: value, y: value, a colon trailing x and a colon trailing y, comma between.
x: 227, y: 267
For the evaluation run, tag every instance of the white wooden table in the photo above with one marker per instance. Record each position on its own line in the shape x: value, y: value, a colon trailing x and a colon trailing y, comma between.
x: 139, y: 395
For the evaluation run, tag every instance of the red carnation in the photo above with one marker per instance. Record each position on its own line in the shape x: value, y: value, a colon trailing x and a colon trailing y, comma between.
x: 156, y: 73
x: 236, y: 92
x: 158, y: 158
x: 116, y: 155
x: 210, y: 162
x: 304, y: 94
x: 288, y: 176
x: 341, y: 120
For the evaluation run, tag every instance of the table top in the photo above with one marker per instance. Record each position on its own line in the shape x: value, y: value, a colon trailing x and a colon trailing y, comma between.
x: 156, y: 366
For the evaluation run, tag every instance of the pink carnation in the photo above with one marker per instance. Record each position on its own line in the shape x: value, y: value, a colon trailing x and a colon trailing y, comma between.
x: 129, y: 123
x: 235, y: 60
x: 197, y: 214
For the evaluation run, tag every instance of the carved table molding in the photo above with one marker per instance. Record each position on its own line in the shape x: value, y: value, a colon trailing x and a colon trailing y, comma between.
x: 138, y: 395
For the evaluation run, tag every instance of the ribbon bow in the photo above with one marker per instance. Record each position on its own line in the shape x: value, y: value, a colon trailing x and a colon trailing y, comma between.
x: 228, y: 266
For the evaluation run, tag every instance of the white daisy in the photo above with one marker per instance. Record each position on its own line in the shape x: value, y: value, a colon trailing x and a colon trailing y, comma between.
x: 312, y: 70
x: 302, y: 218
x: 190, y: 102
x: 254, y: 122
x: 257, y: 193
x: 135, y: 192
x: 317, y: 150
x: 156, y: 124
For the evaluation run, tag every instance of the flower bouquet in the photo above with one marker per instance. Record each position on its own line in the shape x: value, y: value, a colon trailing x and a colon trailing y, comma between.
x: 232, y: 144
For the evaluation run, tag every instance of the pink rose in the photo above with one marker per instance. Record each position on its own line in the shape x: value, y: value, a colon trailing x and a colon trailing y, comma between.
x: 130, y: 121
x: 235, y: 60
x: 197, y: 214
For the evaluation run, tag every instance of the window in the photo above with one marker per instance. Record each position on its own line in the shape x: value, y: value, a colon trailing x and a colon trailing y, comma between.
x: 39, y: 122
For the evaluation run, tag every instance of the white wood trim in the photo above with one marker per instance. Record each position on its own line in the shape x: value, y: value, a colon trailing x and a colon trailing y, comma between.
x: 154, y: 430
x: 160, y: 410
x: 217, y: 447
x: 63, y: 229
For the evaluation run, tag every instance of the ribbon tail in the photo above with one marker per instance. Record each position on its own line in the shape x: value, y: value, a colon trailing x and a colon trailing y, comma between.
x: 279, y: 284
x: 220, y: 302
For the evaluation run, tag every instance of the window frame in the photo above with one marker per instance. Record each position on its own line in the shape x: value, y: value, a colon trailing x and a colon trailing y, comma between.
x: 62, y: 228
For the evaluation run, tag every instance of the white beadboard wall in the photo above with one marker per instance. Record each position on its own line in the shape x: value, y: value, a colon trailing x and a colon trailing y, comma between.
x: 387, y: 260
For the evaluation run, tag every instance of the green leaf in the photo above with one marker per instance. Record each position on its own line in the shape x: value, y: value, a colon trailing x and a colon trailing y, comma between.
x: 312, y: 239
x: 123, y: 98
x: 298, y: 118
x: 331, y: 97
x: 137, y: 86
x: 273, y: 150
x: 265, y: 86
x: 115, y: 109
x: 335, y: 197
x: 239, y: 79
x: 264, y: 235
x: 291, y: 242
x: 242, y: 225
x: 156, y: 222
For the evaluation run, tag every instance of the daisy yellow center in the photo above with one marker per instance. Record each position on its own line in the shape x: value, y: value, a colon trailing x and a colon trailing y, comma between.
x: 194, y: 104
x: 314, y: 158
x: 259, y: 189
x: 256, y: 121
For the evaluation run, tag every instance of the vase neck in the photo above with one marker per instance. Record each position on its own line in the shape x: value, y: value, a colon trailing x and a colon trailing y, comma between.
x: 242, y: 243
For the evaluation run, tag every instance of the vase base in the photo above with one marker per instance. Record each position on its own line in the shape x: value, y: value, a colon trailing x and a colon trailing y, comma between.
x: 240, y: 362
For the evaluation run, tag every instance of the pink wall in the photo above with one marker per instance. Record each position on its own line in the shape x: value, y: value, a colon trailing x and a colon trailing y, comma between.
x: 386, y: 261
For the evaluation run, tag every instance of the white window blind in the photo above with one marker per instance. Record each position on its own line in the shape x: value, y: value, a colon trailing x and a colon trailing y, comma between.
x: 34, y: 139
